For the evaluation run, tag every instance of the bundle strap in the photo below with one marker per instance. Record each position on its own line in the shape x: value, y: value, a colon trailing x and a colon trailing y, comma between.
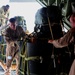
x: 52, y: 56
x: 33, y: 58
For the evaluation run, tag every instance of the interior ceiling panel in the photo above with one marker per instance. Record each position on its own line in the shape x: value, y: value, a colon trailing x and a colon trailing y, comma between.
x: 47, y: 2
x: 50, y: 2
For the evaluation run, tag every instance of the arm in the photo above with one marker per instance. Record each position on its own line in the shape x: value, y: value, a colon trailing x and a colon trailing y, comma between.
x: 8, y: 14
x: 6, y: 35
x: 21, y: 32
x: 63, y: 41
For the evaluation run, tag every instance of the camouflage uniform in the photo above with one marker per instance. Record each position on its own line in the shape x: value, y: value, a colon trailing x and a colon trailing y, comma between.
x: 4, y: 14
x: 11, y: 37
x: 65, y: 41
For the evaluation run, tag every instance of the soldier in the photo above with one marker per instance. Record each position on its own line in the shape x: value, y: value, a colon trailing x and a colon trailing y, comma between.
x: 68, y: 38
x: 4, y: 14
x: 12, y: 34
x: 6, y: 10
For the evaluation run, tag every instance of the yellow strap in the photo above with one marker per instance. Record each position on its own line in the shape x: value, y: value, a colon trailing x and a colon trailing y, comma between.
x: 2, y: 44
x: 33, y: 58
x: 22, y: 55
x: 21, y: 72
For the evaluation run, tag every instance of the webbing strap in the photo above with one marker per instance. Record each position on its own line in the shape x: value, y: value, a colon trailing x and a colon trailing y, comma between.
x: 2, y: 44
x: 33, y: 58
x: 52, y: 39
x: 26, y: 62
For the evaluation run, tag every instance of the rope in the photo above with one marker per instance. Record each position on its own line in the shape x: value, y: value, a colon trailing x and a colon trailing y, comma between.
x: 23, y: 56
x: 34, y: 58
x: 21, y: 72
x: 26, y: 56
x: 2, y: 44
x: 52, y: 39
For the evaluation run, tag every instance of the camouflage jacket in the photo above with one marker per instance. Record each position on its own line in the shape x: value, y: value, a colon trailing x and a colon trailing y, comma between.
x: 68, y: 38
x: 14, y: 35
